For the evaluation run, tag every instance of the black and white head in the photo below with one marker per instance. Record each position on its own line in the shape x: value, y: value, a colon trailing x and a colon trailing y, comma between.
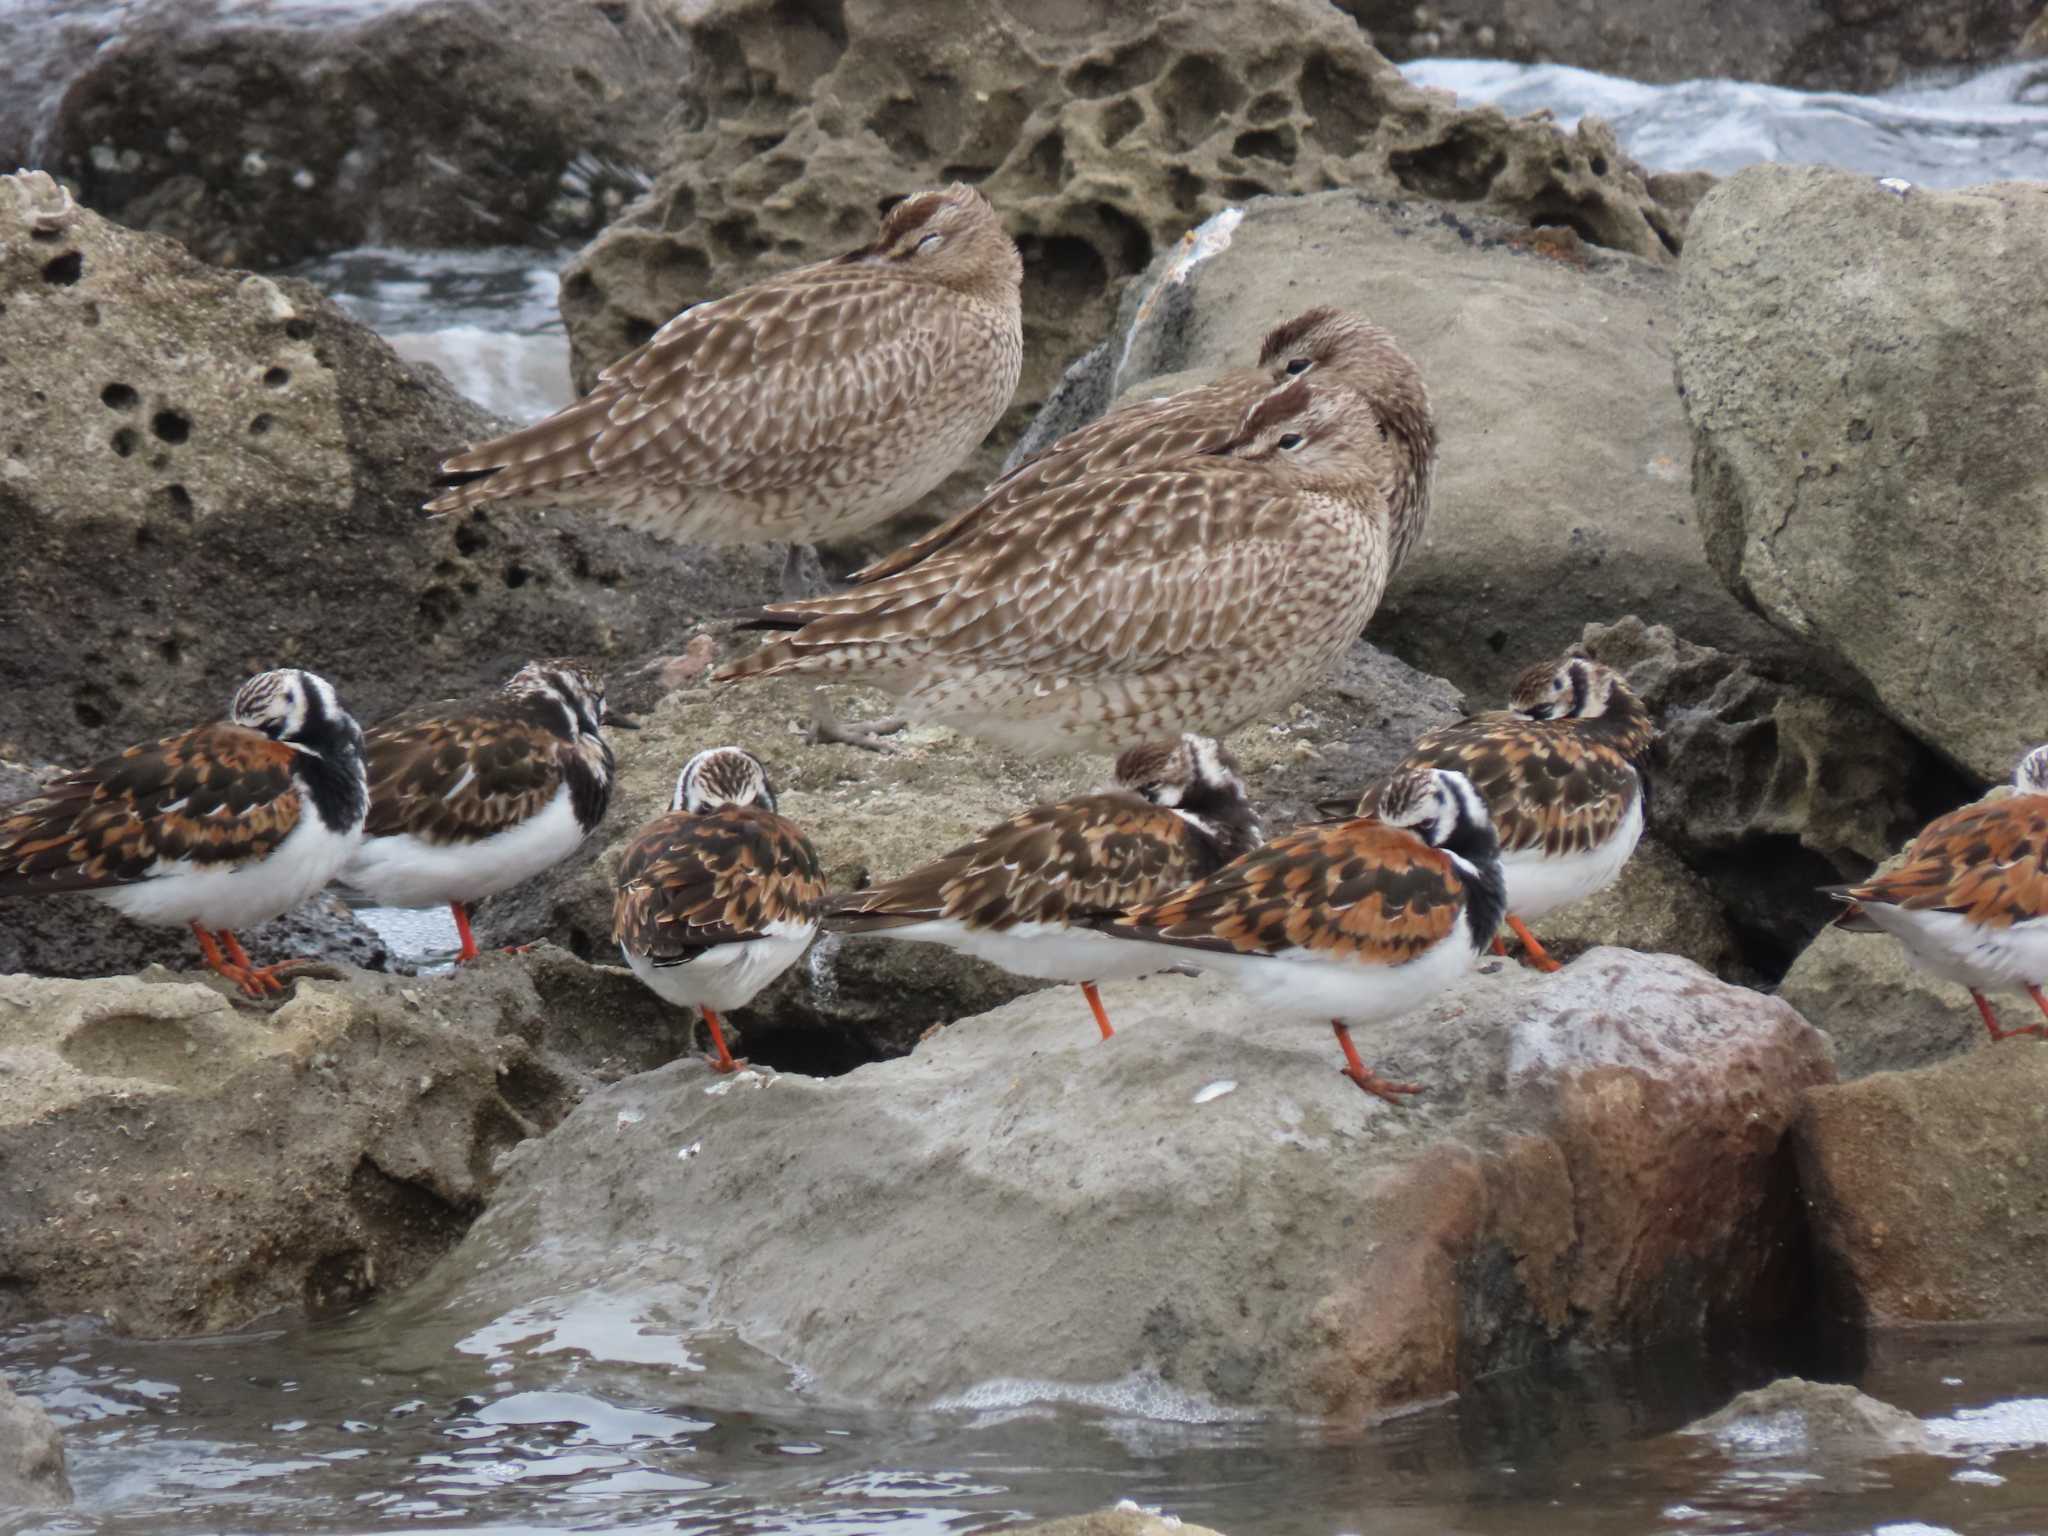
x: 1571, y: 688
x: 298, y: 707
x: 1197, y: 777
x: 572, y: 686
x: 1439, y: 805
x: 722, y: 776
x: 2031, y: 777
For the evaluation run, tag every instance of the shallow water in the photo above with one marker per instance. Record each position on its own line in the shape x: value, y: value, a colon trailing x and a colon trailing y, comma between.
x: 1991, y: 126
x: 373, y: 1424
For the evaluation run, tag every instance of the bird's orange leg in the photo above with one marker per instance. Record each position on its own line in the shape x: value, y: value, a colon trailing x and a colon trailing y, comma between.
x: 1500, y: 946
x: 724, y: 1060
x: 259, y: 980
x: 1364, y: 1076
x: 1991, y: 1019
x: 2040, y: 1002
x: 1532, y: 952
x: 1095, y: 1001
x: 463, y: 932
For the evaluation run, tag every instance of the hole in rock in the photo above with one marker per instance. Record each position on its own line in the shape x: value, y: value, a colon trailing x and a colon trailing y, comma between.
x: 276, y: 378
x: 170, y: 426
x: 119, y: 397
x: 124, y: 441
x: 64, y: 270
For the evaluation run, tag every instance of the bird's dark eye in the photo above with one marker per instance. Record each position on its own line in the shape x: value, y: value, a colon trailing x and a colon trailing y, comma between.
x: 930, y: 242
x: 1300, y: 365
x: 1291, y: 440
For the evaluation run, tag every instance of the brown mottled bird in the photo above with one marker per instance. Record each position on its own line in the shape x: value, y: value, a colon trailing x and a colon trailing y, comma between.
x: 226, y: 825
x: 815, y: 403
x: 719, y: 896
x: 1562, y: 772
x: 1969, y: 902
x: 1127, y: 606
x: 1326, y: 344
x: 470, y: 800
x: 1352, y: 921
x: 1024, y: 894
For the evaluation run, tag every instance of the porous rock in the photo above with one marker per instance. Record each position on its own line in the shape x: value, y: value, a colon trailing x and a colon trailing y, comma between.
x: 1880, y: 1012
x: 873, y: 817
x: 31, y: 1455
x: 178, y: 1164
x: 1598, y: 1160
x: 206, y: 473
x: 1560, y: 495
x: 1861, y: 368
x: 1102, y: 131
x: 1924, y: 1188
x: 445, y: 123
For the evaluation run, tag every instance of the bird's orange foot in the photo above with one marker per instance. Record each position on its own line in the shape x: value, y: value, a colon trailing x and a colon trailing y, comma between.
x: 723, y: 1060
x: 1380, y: 1087
x: 1997, y: 1030
x: 1533, y: 953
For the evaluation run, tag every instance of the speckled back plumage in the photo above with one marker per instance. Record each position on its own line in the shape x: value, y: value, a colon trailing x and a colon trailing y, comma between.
x: 690, y: 882
x: 1326, y: 344
x: 813, y: 404
x: 1124, y: 607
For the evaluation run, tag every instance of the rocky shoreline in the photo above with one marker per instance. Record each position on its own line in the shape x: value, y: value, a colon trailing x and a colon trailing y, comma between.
x: 1758, y: 445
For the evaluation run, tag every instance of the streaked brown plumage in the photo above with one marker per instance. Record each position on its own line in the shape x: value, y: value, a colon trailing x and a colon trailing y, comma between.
x: 1969, y: 901
x: 217, y: 828
x: 1351, y: 921
x: 1323, y: 343
x: 720, y: 895
x: 1561, y: 771
x: 813, y: 404
x: 1025, y: 893
x: 1124, y: 607
x: 469, y: 800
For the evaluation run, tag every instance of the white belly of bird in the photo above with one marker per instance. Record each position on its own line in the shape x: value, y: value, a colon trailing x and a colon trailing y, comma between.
x: 1305, y: 984
x: 1046, y: 951
x: 726, y: 976
x: 243, y: 895
x: 408, y: 871
x: 1539, y: 884
x: 1949, y: 945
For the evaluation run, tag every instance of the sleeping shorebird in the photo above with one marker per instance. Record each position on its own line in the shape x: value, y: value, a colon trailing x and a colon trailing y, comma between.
x: 1561, y: 771
x: 470, y: 801
x: 1327, y: 344
x: 1126, y: 607
x: 1970, y: 900
x: 813, y: 404
x: 222, y: 827
x: 1353, y: 921
x: 719, y: 896
x: 1024, y: 894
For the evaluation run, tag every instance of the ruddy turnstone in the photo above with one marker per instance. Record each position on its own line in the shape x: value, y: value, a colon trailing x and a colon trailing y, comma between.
x: 229, y: 824
x: 1329, y: 344
x: 1970, y: 900
x: 468, y: 802
x: 1126, y: 607
x: 1024, y: 894
x: 1561, y: 771
x: 719, y: 896
x: 816, y: 403
x: 1353, y: 921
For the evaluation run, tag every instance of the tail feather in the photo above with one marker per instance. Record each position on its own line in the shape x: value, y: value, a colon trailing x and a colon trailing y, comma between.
x: 551, y: 455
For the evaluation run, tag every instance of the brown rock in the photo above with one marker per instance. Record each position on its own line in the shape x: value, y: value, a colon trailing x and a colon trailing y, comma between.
x: 1201, y: 1208
x: 1925, y: 1189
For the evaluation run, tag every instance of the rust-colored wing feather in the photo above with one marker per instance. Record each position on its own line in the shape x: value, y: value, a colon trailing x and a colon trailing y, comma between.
x: 1987, y: 861
x: 462, y: 778
x: 776, y: 386
x: 689, y: 883
x: 1357, y: 890
x: 217, y: 795
x: 1145, y: 434
x: 1064, y: 863
x: 1549, y: 784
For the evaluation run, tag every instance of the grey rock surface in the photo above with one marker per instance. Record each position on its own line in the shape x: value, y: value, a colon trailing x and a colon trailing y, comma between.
x: 179, y: 1164
x: 1561, y: 494
x: 209, y: 473
x: 265, y: 133
x: 1860, y: 369
x: 1200, y: 1207
x: 1794, y: 1417
x: 31, y: 1455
